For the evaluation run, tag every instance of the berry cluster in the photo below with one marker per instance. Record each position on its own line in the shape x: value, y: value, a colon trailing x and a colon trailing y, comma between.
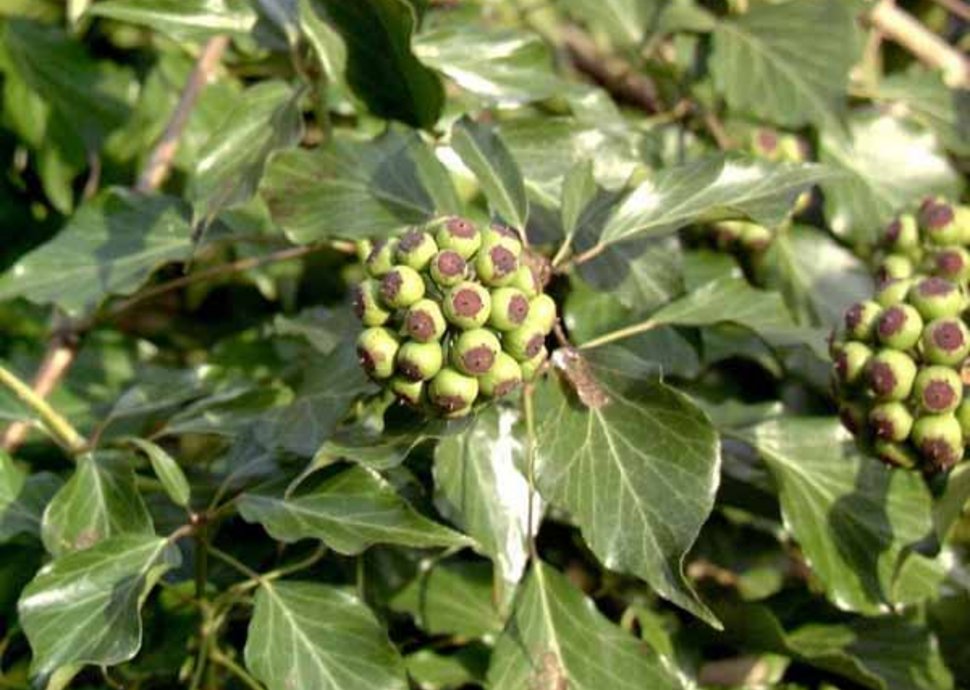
x: 902, y: 357
x: 451, y: 313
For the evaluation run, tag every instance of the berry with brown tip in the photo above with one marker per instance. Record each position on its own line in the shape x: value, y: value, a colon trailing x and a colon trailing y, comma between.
x: 381, y: 259
x: 453, y: 393
x: 938, y: 389
x: 467, y: 305
x: 851, y: 361
x: 401, y: 287
x: 891, y: 421
x: 860, y: 320
x: 524, y: 342
x: 448, y: 268
x: 939, y: 440
x: 936, y: 297
x: 890, y: 374
x: 419, y: 361
x: 474, y: 351
x: 415, y: 249
x: 510, y: 307
x: 945, y: 341
x: 459, y: 235
x: 424, y: 321
x: 376, y: 350
x: 899, y: 327
x: 937, y: 219
x: 367, y: 303
x: 504, y: 377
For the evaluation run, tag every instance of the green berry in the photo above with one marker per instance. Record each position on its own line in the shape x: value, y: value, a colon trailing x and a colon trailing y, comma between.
x: 765, y: 143
x: 467, y: 305
x: 424, y: 321
x: 527, y: 281
x: 952, y: 262
x: 504, y: 377
x: 496, y: 264
x: 945, y: 341
x: 410, y: 392
x: 937, y: 219
x: 419, y: 361
x: 894, y: 291
x: 899, y: 326
x: 510, y: 307
x: 755, y: 237
x: 381, y: 259
x: 890, y: 421
x: 542, y: 312
x: 376, y: 349
x: 963, y: 223
x: 939, y: 440
x: 415, y: 249
x: 860, y: 320
x: 363, y: 248
x: 367, y: 305
x: 474, y: 351
x: 902, y: 234
x: 524, y: 342
x: 935, y: 297
x: 452, y: 392
x: 793, y: 149
x: 448, y: 268
x: 459, y: 235
x: 498, y: 234
x: 938, y: 389
x: 897, y: 454
x: 531, y: 367
x: 852, y: 414
x: 401, y: 287
x: 890, y: 374
x: 963, y: 416
x: 895, y: 266
x: 851, y: 361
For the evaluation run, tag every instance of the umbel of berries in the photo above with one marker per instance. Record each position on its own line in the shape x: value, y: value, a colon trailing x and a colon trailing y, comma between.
x: 901, y: 358
x: 452, y: 314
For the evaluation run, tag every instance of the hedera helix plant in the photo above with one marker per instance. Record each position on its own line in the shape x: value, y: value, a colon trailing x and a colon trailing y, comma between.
x: 386, y: 344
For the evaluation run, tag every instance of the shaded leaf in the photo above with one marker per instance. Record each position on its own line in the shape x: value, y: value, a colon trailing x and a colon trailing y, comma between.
x: 22, y: 498
x: 181, y: 18
x: 83, y: 608
x: 308, y: 635
x: 167, y: 470
x: 348, y: 512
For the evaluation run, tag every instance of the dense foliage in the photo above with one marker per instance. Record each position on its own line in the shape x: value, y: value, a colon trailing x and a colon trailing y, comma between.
x: 202, y: 488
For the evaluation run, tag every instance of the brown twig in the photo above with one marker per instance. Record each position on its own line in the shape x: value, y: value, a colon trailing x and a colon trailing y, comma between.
x: 160, y: 161
x: 904, y: 29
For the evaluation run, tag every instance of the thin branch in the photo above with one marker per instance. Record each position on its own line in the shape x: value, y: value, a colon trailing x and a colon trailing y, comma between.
x: 929, y: 48
x: 160, y: 161
x: 620, y: 334
x: 220, y: 659
x: 59, y: 427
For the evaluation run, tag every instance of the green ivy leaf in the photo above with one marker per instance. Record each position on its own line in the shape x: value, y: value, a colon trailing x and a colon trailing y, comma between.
x: 352, y: 189
x: 626, y: 22
x: 452, y: 599
x: 109, y: 247
x: 480, y: 488
x: 22, y: 498
x: 638, y: 475
x: 381, y: 68
x: 854, y: 518
x: 167, y: 470
x: 99, y: 501
x: 182, y: 19
x: 889, y: 165
x: 349, y: 512
x: 923, y: 96
x: 948, y: 508
x: 83, y: 607
x: 230, y: 165
x: 308, y: 635
x: 486, y: 155
x: 787, y: 62
x: 326, y: 42
x: 557, y: 639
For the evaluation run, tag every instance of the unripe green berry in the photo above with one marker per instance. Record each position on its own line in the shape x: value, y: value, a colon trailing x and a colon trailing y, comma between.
x: 936, y: 297
x: 376, y: 349
x: 415, y: 249
x: 459, y: 235
x: 424, y: 321
x: 793, y: 148
x: 963, y: 223
x: 496, y: 264
x: 363, y: 248
x: 510, y: 307
x: 963, y: 417
x: 542, y: 312
x: 448, y: 268
x: 890, y: 421
x: 401, y: 287
x: 410, y: 392
x: 902, y: 234
x: 945, y: 341
x: 897, y: 454
x: 498, y: 234
x: 852, y: 414
x: 894, y: 291
x: 526, y: 280
x: 765, y: 143
x: 419, y: 361
x: 938, y: 389
x: 851, y: 361
x: 952, y: 262
x: 860, y: 320
x: 474, y: 351
x: 727, y: 233
x: 524, y: 342
x: 890, y: 374
x: 939, y: 440
x: 937, y: 219
x: 531, y: 367
x: 504, y: 377
x: 895, y: 266
x: 367, y: 304
x: 467, y: 305
x: 899, y: 326
x: 452, y: 392
x: 381, y: 258
x: 755, y: 237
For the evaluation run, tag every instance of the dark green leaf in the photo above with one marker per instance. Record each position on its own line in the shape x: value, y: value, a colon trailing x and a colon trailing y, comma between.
x: 348, y: 512
x: 109, y: 247
x: 308, y: 635
x: 787, y: 62
x: 487, y: 157
x: 638, y: 474
x: 83, y: 608
x: 100, y: 500
x: 167, y: 470
x: 557, y: 639
x: 181, y: 18
x: 22, y: 498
